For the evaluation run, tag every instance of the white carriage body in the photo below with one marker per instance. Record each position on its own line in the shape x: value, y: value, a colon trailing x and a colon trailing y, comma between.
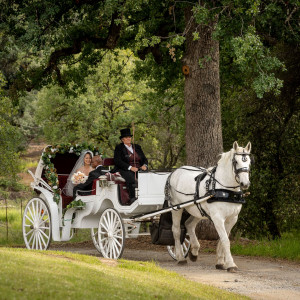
x: 150, y: 197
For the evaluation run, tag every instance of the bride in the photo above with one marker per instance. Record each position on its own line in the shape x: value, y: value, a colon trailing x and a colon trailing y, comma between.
x: 82, y: 165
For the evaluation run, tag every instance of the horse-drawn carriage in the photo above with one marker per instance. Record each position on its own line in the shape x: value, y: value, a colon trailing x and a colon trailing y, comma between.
x: 105, y: 212
x: 215, y: 193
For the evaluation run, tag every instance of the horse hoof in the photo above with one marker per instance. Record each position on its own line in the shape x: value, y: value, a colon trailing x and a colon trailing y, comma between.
x: 220, y: 267
x: 182, y: 262
x: 232, y: 269
x: 192, y: 257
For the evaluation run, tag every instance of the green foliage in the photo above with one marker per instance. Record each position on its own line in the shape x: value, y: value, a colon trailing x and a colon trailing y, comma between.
x: 272, y: 125
x: 253, y: 58
x: 10, y: 137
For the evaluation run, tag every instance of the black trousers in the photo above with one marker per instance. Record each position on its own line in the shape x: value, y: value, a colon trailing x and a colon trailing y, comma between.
x: 129, y: 176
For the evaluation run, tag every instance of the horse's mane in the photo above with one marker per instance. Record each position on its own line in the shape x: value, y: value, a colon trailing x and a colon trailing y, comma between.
x: 225, y: 157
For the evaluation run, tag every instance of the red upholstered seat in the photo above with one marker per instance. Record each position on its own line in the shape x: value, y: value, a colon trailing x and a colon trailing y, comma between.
x: 108, y: 162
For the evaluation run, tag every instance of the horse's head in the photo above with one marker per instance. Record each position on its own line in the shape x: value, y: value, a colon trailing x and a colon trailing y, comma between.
x: 241, y: 162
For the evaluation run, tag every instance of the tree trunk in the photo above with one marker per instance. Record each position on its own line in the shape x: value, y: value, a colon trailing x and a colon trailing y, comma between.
x: 202, y: 95
x: 205, y: 230
x: 202, y: 104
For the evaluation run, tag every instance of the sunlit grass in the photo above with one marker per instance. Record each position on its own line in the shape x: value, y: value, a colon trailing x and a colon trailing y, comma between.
x: 62, y: 275
x: 10, y: 231
x: 28, y: 164
x: 287, y: 247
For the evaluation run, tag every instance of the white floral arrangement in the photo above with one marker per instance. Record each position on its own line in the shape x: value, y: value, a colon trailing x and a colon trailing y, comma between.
x: 79, y: 177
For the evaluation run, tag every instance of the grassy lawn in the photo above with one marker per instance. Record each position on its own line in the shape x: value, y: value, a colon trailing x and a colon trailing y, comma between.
x: 60, y: 275
x: 287, y: 247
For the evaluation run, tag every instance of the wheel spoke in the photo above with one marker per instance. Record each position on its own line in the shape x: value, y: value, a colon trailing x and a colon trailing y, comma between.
x: 43, y: 221
x: 33, y: 210
x: 28, y: 232
x: 106, y: 222
x: 32, y: 215
x: 117, y: 242
x: 104, y: 226
x: 33, y: 242
x: 45, y: 245
x: 113, y: 249
x: 117, y: 231
x: 43, y: 227
x: 39, y: 241
x: 44, y: 234
x: 29, y: 219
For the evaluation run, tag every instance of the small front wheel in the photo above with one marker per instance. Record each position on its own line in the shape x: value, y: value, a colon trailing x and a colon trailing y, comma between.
x: 37, y: 225
x: 94, y: 235
x: 185, y: 248
x: 111, y: 234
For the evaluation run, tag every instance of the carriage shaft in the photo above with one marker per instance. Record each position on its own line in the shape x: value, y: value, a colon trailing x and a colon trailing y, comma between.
x: 165, y: 210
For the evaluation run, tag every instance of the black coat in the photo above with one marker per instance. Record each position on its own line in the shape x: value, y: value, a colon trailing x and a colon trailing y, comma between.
x: 121, y: 157
x: 88, y: 185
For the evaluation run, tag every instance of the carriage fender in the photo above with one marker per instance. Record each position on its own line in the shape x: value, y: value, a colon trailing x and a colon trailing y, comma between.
x: 106, y: 203
x: 53, y: 207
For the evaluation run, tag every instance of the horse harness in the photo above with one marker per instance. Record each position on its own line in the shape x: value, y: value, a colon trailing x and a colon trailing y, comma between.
x: 220, y: 195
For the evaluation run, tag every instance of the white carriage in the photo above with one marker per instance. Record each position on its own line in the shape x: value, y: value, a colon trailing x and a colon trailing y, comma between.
x: 109, y: 220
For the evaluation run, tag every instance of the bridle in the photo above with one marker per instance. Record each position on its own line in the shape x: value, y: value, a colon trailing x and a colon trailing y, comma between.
x: 245, y: 157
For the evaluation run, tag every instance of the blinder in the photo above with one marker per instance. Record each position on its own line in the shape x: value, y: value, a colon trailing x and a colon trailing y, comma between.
x: 245, y: 157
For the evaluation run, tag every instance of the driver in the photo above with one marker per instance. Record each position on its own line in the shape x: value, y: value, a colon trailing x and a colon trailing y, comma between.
x: 129, y: 159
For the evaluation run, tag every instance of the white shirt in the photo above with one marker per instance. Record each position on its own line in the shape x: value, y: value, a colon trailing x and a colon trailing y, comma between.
x: 129, y: 148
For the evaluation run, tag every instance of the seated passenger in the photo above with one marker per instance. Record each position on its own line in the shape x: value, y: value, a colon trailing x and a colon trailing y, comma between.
x: 88, y: 185
x: 83, y: 165
x: 129, y: 158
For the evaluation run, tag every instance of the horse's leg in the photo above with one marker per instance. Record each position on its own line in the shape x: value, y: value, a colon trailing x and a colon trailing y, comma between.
x: 190, y: 225
x: 224, y: 244
x: 229, y: 223
x: 176, y: 218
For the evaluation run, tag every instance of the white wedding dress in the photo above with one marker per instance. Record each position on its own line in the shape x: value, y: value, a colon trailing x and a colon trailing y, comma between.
x: 68, y: 188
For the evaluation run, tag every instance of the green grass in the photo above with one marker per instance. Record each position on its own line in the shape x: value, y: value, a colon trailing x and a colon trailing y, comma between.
x: 60, y: 275
x: 14, y: 227
x: 287, y: 247
x: 15, y: 236
x: 27, y: 164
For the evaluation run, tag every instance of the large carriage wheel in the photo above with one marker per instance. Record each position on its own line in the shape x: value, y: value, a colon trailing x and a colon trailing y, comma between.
x: 37, y: 225
x: 111, y: 234
x: 185, y: 248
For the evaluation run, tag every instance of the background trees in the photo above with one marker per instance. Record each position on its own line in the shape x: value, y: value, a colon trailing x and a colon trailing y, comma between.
x: 80, y: 85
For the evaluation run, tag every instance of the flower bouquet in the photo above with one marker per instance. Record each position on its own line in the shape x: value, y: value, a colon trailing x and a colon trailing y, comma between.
x: 79, y: 177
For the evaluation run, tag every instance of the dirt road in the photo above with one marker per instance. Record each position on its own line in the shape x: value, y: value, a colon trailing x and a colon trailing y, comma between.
x: 257, y: 278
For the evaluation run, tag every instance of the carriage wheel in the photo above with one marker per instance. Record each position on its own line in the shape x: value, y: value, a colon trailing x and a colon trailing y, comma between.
x: 185, y: 248
x: 94, y: 235
x: 37, y: 225
x: 111, y: 234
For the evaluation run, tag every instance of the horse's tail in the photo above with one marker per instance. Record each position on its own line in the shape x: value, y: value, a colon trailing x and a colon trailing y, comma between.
x: 167, y: 189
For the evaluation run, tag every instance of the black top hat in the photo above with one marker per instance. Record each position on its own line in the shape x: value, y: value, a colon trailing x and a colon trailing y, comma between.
x: 125, y: 132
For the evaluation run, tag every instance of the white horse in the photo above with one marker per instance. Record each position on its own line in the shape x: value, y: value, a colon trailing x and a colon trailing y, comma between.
x: 230, y: 175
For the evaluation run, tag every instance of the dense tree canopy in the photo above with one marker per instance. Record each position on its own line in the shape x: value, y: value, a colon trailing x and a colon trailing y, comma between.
x: 67, y: 62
